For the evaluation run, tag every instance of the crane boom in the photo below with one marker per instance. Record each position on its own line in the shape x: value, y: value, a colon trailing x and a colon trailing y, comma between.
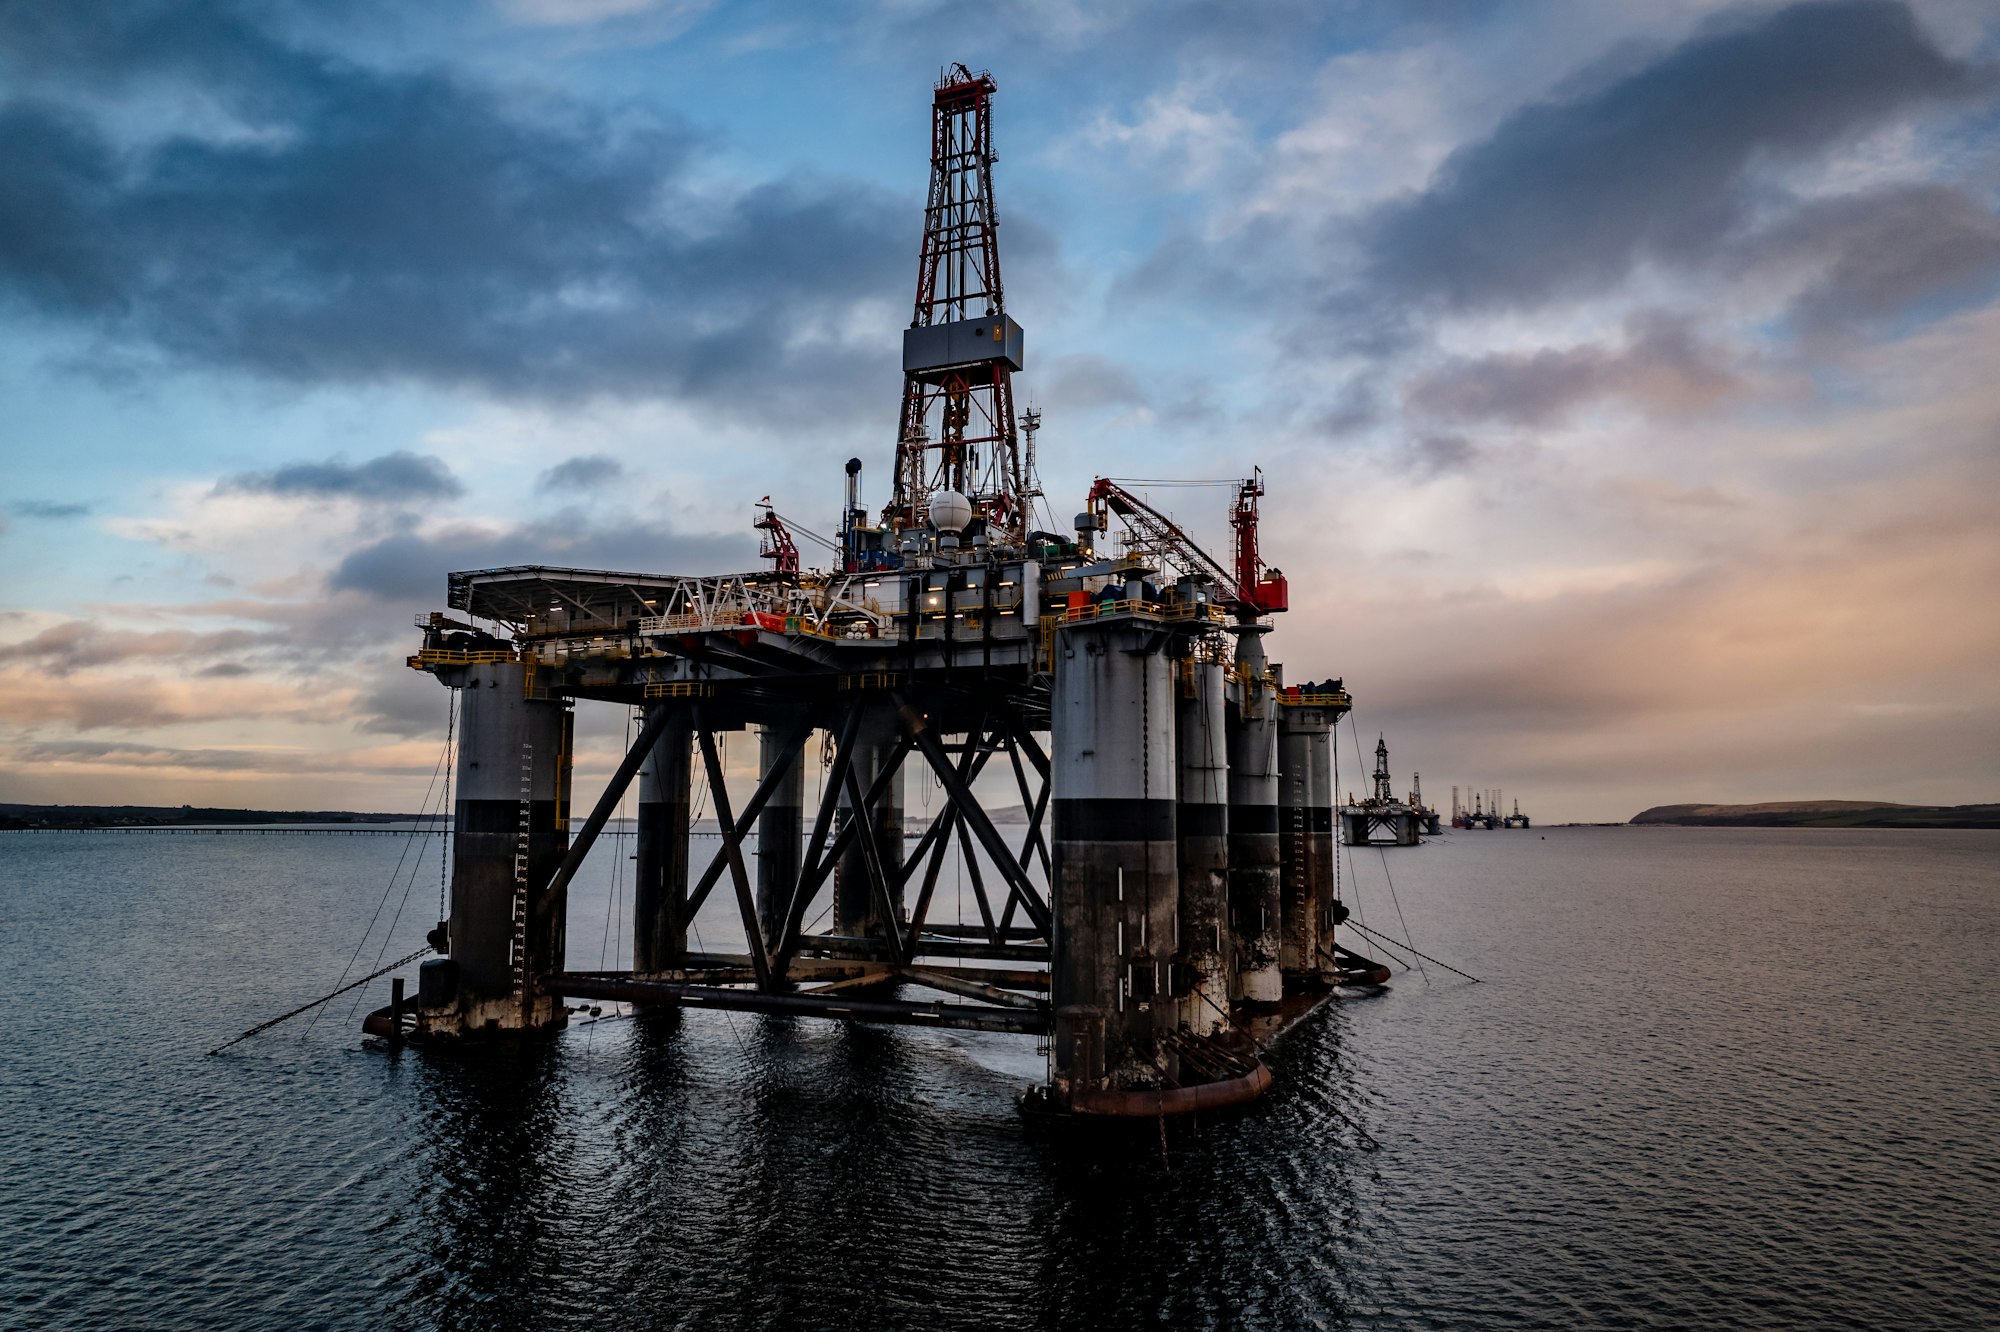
x: 1249, y: 591
x: 778, y: 543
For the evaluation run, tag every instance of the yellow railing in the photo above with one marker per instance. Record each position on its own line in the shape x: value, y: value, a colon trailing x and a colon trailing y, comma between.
x: 679, y: 689
x: 1155, y: 610
x: 667, y: 624
x: 1340, y: 700
x: 801, y: 624
x: 430, y: 657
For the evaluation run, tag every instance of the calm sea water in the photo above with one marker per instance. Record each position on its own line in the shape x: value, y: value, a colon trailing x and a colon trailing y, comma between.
x: 1712, y: 1079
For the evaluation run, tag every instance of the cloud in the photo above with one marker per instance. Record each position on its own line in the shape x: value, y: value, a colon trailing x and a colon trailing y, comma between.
x: 1085, y: 381
x: 79, y: 644
x: 1663, y: 369
x: 130, y: 754
x: 1873, y: 255
x: 1189, y: 136
x: 1566, y: 198
x: 49, y: 509
x: 412, y: 566
x: 394, y: 477
x: 358, y: 224
x: 1440, y: 455
x: 586, y: 471
x: 33, y: 697
x: 567, y: 13
x: 402, y: 702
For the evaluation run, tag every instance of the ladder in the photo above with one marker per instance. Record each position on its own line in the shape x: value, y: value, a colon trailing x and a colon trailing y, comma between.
x: 517, y: 947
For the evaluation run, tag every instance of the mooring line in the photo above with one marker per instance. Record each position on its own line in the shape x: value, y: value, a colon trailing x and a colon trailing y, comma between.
x: 1354, y: 733
x: 302, y: 1008
x: 423, y: 812
x: 1355, y: 925
x: 1398, y: 904
x: 1349, y: 1120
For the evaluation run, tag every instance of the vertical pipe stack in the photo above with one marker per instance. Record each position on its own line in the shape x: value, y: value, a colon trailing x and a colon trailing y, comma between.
x: 659, y: 905
x: 1116, y: 877
x: 778, y: 831
x: 1202, y: 826
x: 856, y: 906
x: 1305, y: 799
x: 511, y: 828
x: 1254, y: 857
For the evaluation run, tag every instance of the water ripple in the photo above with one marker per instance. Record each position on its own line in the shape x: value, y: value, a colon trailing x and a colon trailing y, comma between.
x: 1714, y: 1079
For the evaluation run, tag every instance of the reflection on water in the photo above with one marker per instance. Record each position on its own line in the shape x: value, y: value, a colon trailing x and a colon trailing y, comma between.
x: 704, y: 1171
x: 1683, y: 1097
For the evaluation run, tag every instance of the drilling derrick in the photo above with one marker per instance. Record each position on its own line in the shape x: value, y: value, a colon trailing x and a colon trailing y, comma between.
x: 961, y: 349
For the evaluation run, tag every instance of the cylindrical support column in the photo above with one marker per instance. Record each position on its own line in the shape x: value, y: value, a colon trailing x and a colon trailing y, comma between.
x: 1328, y: 909
x: 1202, y: 832
x: 778, y: 831
x: 1254, y: 857
x: 1116, y: 886
x: 659, y: 901
x: 510, y: 831
x: 1305, y: 812
x: 856, y: 907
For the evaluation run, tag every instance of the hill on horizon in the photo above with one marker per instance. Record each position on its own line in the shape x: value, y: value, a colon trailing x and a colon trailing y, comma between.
x: 1823, y: 814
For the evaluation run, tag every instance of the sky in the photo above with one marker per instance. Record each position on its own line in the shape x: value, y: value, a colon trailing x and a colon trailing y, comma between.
x: 1623, y: 375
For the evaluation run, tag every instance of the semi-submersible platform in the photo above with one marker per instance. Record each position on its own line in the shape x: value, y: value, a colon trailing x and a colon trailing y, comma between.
x: 1169, y: 903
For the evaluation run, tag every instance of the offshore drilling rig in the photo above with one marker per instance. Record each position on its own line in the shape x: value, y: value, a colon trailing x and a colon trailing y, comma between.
x: 1379, y: 818
x: 1484, y: 812
x: 1171, y: 901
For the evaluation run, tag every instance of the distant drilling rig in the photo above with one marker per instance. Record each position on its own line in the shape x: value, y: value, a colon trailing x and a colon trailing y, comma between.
x: 1379, y: 818
x: 1484, y: 812
x: 1170, y: 903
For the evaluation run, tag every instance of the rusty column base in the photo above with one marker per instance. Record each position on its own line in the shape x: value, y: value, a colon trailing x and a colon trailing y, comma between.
x: 1153, y: 1103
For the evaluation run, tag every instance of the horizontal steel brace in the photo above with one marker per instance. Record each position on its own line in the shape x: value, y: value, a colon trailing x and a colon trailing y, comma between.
x: 870, y: 950
x: 963, y: 1017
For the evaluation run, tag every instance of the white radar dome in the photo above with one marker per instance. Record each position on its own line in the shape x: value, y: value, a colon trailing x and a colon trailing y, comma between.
x: 950, y: 511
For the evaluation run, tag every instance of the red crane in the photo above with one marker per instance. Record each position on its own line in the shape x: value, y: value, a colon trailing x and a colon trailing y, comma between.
x: 778, y: 543
x: 1249, y: 591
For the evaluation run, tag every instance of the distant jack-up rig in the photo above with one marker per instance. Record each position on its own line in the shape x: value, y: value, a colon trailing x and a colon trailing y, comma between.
x: 1169, y: 905
x: 1484, y: 812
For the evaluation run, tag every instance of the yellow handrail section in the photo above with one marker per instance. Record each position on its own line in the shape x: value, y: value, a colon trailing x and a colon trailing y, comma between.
x: 1340, y: 700
x: 1152, y: 610
x: 430, y: 657
x: 679, y: 689
x: 666, y: 624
